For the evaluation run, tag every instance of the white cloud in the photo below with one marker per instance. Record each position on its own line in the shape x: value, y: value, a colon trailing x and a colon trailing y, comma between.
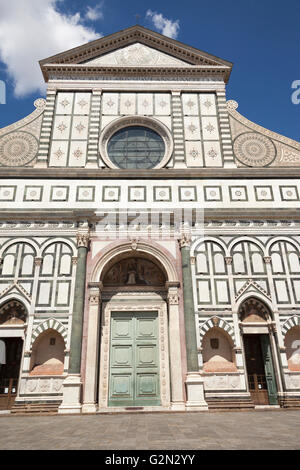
x: 95, y: 13
x: 163, y: 25
x: 32, y: 30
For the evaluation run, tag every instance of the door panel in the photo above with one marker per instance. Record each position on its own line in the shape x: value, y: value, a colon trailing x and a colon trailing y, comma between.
x: 269, y: 369
x: 9, y: 372
x: 255, y: 370
x: 134, y: 368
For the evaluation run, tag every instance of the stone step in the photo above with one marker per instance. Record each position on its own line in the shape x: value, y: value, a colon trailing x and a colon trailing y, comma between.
x: 230, y: 404
x: 26, y: 408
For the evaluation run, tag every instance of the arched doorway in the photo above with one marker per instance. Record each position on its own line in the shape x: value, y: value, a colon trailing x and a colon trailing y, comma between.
x: 256, y: 325
x: 133, y: 318
x: 12, y: 322
x: 134, y: 378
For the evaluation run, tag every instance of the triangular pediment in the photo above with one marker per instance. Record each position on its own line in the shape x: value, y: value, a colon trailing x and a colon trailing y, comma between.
x: 136, y: 55
x: 136, y: 36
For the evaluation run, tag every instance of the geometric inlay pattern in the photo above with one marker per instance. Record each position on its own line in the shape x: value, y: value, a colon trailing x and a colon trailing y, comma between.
x: 17, y: 149
x: 254, y: 149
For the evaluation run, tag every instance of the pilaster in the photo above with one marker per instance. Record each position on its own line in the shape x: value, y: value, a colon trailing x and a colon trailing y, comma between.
x: 177, y: 118
x: 44, y: 145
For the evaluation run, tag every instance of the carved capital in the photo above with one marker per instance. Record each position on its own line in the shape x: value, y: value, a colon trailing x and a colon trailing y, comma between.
x: 74, y: 260
x: 173, y: 298
x: 83, y: 239
x: 94, y: 296
x: 193, y: 260
x: 272, y: 327
x: 267, y: 259
x: 38, y: 261
x: 228, y: 260
x: 185, y: 240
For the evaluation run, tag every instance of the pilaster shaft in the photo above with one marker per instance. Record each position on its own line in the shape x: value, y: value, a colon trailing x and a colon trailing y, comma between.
x: 189, y: 313
x: 78, y: 307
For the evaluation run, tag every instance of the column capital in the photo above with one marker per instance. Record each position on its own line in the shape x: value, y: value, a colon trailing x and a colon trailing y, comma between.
x: 267, y: 259
x: 173, y: 298
x: 38, y: 261
x: 185, y: 240
x: 82, y: 239
x: 228, y: 260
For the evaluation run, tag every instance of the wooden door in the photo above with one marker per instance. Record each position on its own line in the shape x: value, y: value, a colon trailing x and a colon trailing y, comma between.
x: 9, y: 372
x: 134, y: 362
x: 255, y: 370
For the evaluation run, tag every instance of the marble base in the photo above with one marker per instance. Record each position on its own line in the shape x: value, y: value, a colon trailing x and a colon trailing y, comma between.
x: 71, y: 395
x: 195, y: 392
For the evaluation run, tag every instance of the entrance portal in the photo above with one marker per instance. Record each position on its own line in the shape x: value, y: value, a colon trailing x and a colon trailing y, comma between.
x: 134, y: 359
x: 11, y: 349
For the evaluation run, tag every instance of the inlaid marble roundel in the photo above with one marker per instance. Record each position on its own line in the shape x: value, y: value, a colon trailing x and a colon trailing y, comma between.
x: 254, y: 149
x: 17, y: 149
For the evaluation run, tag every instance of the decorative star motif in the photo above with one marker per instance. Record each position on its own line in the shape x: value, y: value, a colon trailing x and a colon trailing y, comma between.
x: 110, y: 103
x: 190, y: 104
x: 162, y: 104
x: 194, y: 153
x: 65, y: 103
x: 59, y: 153
x: 128, y: 103
x: 145, y: 103
x: 62, y: 127
x: 212, y: 153
x: 192, y: 128
x: 207, y: 104
x: 82, y: 103
x: 78, y: 153
x: 80, y: 127
x: 210, y: 128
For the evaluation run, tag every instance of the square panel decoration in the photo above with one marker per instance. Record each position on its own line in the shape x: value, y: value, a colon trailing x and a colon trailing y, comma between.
x: 187, y: 193
x: 85, y: 194
x: 59, y: 193
x: 111, y: 193
x: 263, y: 193
x: 8, y: 193
x: 33, y: 193
x: 162, y: 193
x: 289, y: 193
x: 238, y: 193
x: 212, y: 193
x: 137, y: 193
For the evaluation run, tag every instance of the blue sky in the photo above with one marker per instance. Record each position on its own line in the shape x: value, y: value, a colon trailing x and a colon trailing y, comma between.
x: 261, y: 38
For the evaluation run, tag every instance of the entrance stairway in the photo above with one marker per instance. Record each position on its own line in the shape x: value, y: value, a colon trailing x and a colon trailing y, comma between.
x: 34, y: 408
x: 229, y: 404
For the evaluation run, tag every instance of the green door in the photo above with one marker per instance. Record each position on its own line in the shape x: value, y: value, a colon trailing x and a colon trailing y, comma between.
x: 134, y: 364
x: 269, y: 369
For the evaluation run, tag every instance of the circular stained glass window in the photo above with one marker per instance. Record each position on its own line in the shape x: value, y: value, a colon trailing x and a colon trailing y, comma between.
x: 136, y: 147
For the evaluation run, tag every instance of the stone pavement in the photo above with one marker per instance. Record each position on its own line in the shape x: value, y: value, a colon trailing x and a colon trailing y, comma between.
x: 220, y: 430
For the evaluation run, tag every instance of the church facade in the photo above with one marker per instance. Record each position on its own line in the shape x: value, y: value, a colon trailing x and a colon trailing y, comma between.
x: 149, y: 239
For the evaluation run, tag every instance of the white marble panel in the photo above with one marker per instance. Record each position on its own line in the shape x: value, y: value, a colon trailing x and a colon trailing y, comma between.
x: 212, y: 154
x: 210, y: 129
x: 145, y: 103
x: 64, y: 103
x: 128, y: 103
x: 78, y: 150
x: 162, y: 104
x: 61, y: 127
x: 192, y: 128
x: 208, y: 104
x: 166, y: 120
x: 110, y: 103
x: 281, y: 290
x: 194, y: 157
x: 82, y: 103
x: 59, y: 153
x: 80, y: 127
x: 190, y: 104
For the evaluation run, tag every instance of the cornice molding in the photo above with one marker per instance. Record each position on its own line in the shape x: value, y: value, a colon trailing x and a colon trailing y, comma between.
x: 191, y: 173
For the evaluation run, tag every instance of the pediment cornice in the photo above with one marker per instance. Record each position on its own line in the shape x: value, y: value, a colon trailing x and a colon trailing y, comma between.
x: 78, y: 56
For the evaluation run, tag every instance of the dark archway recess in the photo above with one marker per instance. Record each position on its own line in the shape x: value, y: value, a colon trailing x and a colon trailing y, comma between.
x: 132, y: 272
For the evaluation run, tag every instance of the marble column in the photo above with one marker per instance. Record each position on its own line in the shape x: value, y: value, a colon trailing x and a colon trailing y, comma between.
x: 177, y: 398
x: 194, y: 380
x: 90, y: 388
x: 72, y: 385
